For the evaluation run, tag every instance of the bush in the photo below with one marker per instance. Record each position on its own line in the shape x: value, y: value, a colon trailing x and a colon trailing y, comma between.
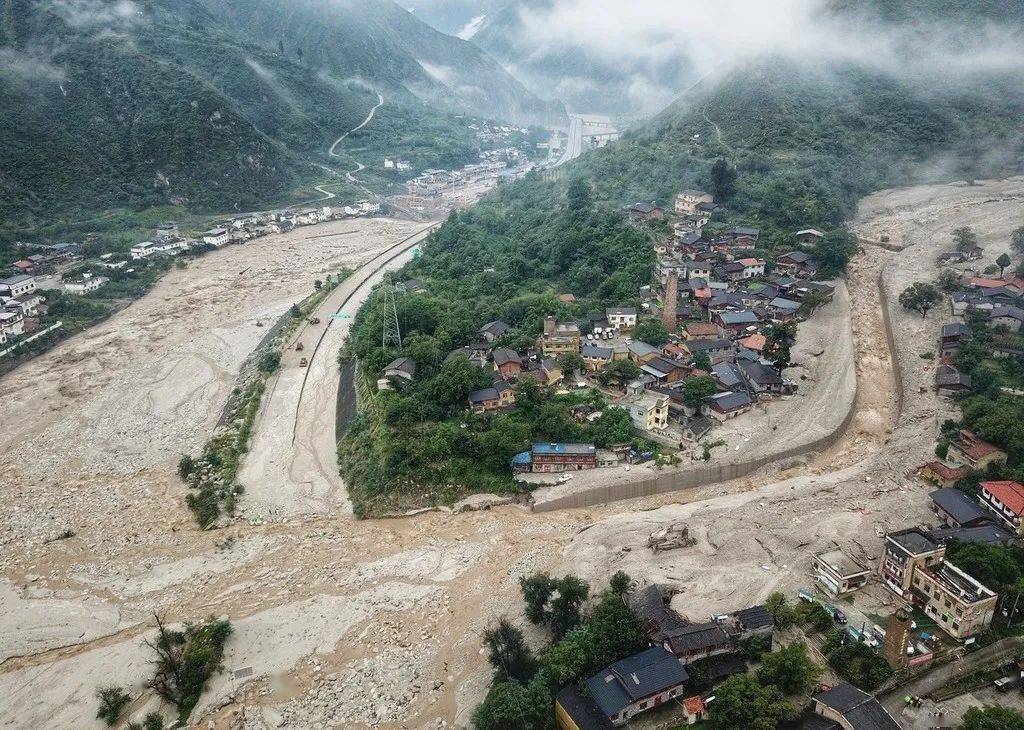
x: 186, y: 465
x: 269, y: 362
x: 112, y: 702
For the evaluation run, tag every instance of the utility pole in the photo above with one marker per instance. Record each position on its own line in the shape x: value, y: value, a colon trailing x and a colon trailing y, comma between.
x: 391, y: 338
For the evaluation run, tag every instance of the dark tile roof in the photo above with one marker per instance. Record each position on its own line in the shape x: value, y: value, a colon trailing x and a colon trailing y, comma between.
x: 633, y: 678
x: 504, y: 356
x: 717, y: 667
x: 650, y: 606
x: 958, y: 505
x: 755, y: 617
x: 582, y: 710
x: 989, y: 534
x: 696, y: 637
x: 729, y: 401
x: 842, y: 698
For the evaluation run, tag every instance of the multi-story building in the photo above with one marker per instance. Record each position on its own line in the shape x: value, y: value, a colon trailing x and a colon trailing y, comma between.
x: 968, y: 449
x: 621, y: 317
x: 554, y: 457
x: 914, y: 567
x: 559, y: 338
x: 838, y: 573
x: 905, y: 551
x: 15, y: 286
x: 688, y: 200
x: 647, y: 410
x: 1005, y: 500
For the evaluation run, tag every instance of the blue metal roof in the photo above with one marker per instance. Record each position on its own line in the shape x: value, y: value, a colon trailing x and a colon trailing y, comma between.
x: 524, y: 457
x: 553, y: 448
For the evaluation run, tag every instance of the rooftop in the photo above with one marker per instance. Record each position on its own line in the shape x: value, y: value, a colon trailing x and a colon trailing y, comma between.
x: 633, y: 678
x: 914, y: 541
x: 841, y: 563
x: 1011, y: 494
x: 957, y: 505
x: 553, y: 448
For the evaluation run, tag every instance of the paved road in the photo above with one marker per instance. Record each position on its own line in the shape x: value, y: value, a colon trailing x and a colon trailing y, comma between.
x: 292, y: 467
x: 914, y: 717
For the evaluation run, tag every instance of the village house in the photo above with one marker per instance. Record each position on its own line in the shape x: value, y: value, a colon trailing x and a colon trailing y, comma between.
x: 696, y: 429
x: 942, y: 474
x: 797, y: 263
x: 852, y: 709
x: 556, y: 458
x: 559, y: 338
x: 402, y: 368
x: 751, y: 267
x: 951, y: 337
x: 217, y: 237
x: 702, y: 331
x: 12, y: 323
x: 692, y: 642
x: 85, y: 284
x: 595, y: 357
x: 641, y: 353
x: 15, y: 286
x: 1005, y: 500
x: 498, y: 396
x: 507, y: 362
x: 913, y: 566
x: 763, y: 378
x: 744, y: 236
x: 971, y: 451
x: 664, y: 371
x: 728, y: 405
x: 687, y: 201
x: 717, y: 350
x: 546, y: 371
x: 623, y: 318
x: 956, y: 509
x: 755, y: 342
x: 809, y: 236
x: 476, y: 354
x: 644, y: 212
x: 1009, y: 317
x: 638, y: 683
x: 737, y: 322
x: 949, y: 381
x: 493, y: 330
x: 838, y: 574
x: 647, y: 410
x: 783, y: 309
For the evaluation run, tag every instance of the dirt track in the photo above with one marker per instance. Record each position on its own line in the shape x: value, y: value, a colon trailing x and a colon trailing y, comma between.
x: 394, y: 608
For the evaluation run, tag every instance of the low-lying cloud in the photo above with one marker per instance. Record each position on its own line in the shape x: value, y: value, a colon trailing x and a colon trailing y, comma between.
x: 660, y: 45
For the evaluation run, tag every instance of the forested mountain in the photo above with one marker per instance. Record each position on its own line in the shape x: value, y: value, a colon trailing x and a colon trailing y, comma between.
x: 216, y: 104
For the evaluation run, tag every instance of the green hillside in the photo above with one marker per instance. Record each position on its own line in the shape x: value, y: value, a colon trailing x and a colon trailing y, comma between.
x: 170, y: 102
x: 808, y: 144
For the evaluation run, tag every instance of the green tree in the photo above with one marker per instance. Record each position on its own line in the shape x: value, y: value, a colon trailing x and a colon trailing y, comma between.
x: 742, y: 702
x: 615, y: 628
x: 511, y: 705
x: 835, y: 250
x: 965, y: 239
x: 570, y: 363
x: 723, y: 180
x: 779, y: 340
x: 994, y: 566
x: 537, y: 590
x: 1002, y: 262
x: 580, y: 195
x: 782, y: 612
x: 186, y: 465
x: 619, y: 583
x: 620, y: 371
x: 651, y: 331
x: 696, y: 389
x: 112, y: 702
x: 456, y: 380
x: 948, y: 281
x: 702, y: 361
x: 855, y: 662
x: 508, y: 652
x: 529, y: 395
x: 1017, y: 240
x: 790, y: 669
x: 992, y: 718
x: 269, y: 362
x: 613, y: 426
x: 570, y: 594
x: 815, y: 616
x: 920, y: 297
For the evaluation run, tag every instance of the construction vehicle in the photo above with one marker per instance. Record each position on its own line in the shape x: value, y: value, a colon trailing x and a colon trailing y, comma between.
x: 314, y: 320
x: 303, y: 362
x: 300, y: 347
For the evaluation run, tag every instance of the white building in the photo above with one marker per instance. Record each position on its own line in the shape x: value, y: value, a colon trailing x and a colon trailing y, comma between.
x: 15, y: 286
x: 217, y: 237
x: 688, y: 200
x: 12, y: 324
x: 621, y: 317
x: 88, y: 283
x: 752, y: 268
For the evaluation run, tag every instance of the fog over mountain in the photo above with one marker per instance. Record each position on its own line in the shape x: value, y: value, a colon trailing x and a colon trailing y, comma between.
x: 604, y: 55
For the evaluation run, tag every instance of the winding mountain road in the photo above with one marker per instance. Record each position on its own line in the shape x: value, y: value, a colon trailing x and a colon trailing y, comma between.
x: 369, y: 118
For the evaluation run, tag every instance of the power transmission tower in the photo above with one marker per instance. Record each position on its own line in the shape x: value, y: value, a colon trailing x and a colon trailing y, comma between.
x: 392, y: 336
